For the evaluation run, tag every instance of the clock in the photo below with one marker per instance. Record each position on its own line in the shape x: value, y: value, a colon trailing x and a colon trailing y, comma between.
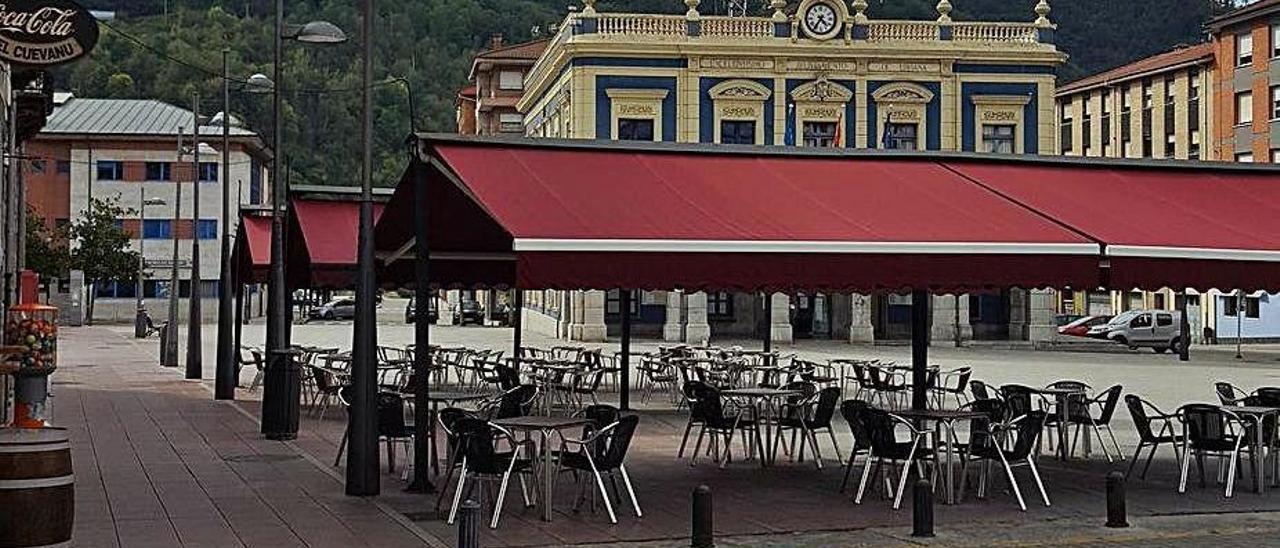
x: 821, y: 20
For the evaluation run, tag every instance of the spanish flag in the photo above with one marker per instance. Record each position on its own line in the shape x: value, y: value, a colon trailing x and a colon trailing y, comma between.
x: 838, y: 141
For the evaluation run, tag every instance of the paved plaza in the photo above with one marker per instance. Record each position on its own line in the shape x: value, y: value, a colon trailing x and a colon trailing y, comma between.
x: 159, y: 463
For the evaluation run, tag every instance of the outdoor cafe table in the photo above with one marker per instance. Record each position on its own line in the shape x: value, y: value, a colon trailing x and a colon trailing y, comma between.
x: 434, y: 399
x: 762, y: 404
x: 943, y: 419
x: 544, y: 426
x: 1063, y: 397
x: 552, y: 372
x: 1255, y: 414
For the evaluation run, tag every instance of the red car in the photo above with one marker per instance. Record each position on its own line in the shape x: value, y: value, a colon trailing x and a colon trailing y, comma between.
x: 1080, y: 327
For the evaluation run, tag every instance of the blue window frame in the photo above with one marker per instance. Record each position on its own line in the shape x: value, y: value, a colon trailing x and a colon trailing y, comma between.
x: 159, y: 171
x: 208, y: 172
x: 157, y: 229
x: 207, y: 229
x: 110, y: 170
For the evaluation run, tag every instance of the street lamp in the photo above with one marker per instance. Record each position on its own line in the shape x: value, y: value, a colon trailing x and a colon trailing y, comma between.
x: 225, y: 378
x: 195, y: 346
x: 169, y: 352
x: 140, y: 317
x: 281, y: 390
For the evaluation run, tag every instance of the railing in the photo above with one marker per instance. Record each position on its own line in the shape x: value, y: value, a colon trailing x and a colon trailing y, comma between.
x: 996, y: 32
x: 642, y: 25
x: 562, y: 35
x: 737, y: 27
x: 894, y: 31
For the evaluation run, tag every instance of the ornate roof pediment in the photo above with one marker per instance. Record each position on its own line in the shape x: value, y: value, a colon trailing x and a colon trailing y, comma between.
x: 822, y: 90
x: 740, y: 90
x: 902, y: 92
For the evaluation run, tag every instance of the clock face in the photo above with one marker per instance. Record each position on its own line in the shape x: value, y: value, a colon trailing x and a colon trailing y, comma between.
x: 820, y: 19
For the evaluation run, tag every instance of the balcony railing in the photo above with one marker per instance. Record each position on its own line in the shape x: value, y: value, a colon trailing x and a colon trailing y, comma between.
x: 996, y: 32
x: 737, y: 27
x: 900, y: 31
x: 641, y: 25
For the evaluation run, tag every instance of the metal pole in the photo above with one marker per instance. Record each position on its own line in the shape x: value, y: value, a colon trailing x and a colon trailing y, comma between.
x: 703, y: 534
x: 139, y: 319
x: 1184, y: 330
x: 171, y: 328
x: 362, y: 461
x: 922, y: 508
x: 624, y: 395
x: 768, y: 321
x: 1116, y: 514
x: 1239, y: 322
x: 281, y: 389
x: 517, y: 327
x: 195, y: 344
x: 957, y: 320
x: 421, y: 330
x: 919, y: 348
x: 225, y: 378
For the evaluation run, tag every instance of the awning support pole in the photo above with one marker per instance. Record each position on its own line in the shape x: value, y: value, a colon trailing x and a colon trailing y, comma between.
x: 516, y: 328
x: 624, y: 360
x: 919, y: 348
x: 1184, y: 330
x: 422, y: 297
x: 768, y: 321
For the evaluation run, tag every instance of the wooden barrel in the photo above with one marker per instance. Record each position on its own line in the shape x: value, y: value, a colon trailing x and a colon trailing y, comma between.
x: 37, y: 488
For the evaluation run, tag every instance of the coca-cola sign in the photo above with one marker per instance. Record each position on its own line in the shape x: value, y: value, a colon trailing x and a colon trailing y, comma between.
x: 45, y: 32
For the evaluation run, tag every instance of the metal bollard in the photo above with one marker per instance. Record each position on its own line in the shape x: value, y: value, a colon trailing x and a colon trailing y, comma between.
x: 468, y: 524
x: 703, y: 536
x: 1115, y: 500
x: 922, y: 509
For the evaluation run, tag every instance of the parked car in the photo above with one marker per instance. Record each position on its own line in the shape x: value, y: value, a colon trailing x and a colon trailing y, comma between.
x: 1080, y: 326
x: 468, y: 311
x: 410, y: 311
x: 1159, y: 330
x: 337, y: 309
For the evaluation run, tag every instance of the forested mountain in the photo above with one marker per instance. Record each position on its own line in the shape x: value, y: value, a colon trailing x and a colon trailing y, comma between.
x: 168, y: 49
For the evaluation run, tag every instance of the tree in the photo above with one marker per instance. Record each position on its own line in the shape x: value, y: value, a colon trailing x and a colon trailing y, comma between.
x: 46, y: 252
x: 101, y: 247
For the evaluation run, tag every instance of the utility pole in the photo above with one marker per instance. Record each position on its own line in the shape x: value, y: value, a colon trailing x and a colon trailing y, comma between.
x: 171, y: 328
x: 225, y: 377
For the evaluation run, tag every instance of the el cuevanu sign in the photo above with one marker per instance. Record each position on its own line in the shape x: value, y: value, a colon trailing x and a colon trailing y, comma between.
x: 45, y: 32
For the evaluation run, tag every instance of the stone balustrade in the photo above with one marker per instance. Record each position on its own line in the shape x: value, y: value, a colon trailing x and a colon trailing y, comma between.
x: 897, y: 31
x: 640, y: 25
x: 996, y: 32
x: 737, y: 27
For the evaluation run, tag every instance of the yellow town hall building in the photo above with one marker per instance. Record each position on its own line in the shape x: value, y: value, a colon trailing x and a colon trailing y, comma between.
x: 820, y: 73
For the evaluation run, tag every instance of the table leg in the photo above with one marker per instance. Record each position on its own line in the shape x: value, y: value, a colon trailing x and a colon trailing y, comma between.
x: 1258, y: 484
x: 1062, y: 427
x: 766, y: 457
x: 950, y: 471
x: 433, y: 452
x: 546, y: 476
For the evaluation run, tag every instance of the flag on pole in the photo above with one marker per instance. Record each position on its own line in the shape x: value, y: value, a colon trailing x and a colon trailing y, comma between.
x: 838, y: 140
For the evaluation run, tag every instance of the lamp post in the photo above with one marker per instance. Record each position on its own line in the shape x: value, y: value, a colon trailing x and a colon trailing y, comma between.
x: 195, y: 346
x: 170, y: 353
x: 282, y: 383
x: 362, y: 458
x: 225, y: 378
x: 140, y: 317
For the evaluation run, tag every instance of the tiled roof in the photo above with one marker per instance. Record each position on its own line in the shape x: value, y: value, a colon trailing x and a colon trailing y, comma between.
x: 526, y: 50
x: 129, y: 117
x: 1154, y: 64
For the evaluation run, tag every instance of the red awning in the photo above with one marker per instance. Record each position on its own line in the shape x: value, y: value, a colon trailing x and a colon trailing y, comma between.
x: 1210, y: 227
x: 328, y: 233
x: 586, y: 215
x: 252, y: 253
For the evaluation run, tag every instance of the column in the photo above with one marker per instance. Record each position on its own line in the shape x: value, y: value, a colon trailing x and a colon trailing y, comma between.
x: 1018, y: 314
x: 946, y: 308
x: 780, y: 319
x: 860, y: 328
x: 673, y: 325
x: 1040, y: 325
x: 588, y: 317
x: 452, y: 299
x: 697, y: 330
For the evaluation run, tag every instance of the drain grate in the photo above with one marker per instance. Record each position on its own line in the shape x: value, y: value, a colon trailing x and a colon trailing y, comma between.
x: 266, y: 458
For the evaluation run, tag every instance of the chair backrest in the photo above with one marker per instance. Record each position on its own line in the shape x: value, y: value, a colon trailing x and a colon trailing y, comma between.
x: 601, y: 415
x: 979, y: 390
x: 1110, y: 398
x: 1269, y: 396
x: 516, y: 402
x: 1141, y: 421
x: 476, y: 441
x: 1069, y: 385
x: 806, y: 389
x: 1026, y: 428
x: 1018, y: 398
x: 704, y: 400
x: 322, y: 378
x: 614, y: 449
x: 828, y: 398
x: 390, y: 414
x: 507, y: 376
x: 852, y: 411
x: 880, y: 430
x: 994, y: 412
x: 1228, y: 393
x: 961, y: 377
x: 1204, y: 422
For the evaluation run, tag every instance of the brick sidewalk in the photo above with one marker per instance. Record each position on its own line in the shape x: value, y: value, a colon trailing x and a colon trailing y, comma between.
x: 159, y: 463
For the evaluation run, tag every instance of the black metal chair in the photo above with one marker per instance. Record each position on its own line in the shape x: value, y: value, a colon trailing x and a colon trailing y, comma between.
x: 1228, y: 394
x: 980, y: 390
x: 852, y: 411
x: 1268, y: 396
x: 602, y: 451
x: 448, y: 419
x: 481, y: 461
x: 707, y: 403
x: 1211, y: 431
x: 515, y: 402
x: 812, y: 415
x: 953, y: 383
x: 390, y: 422
x: 1144, y: 413
x: 1083, y: 419
x: 1012, y: 444
x: 882, y: 429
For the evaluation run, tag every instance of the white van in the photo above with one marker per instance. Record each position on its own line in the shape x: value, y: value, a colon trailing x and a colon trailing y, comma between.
x: 1159, y: 330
